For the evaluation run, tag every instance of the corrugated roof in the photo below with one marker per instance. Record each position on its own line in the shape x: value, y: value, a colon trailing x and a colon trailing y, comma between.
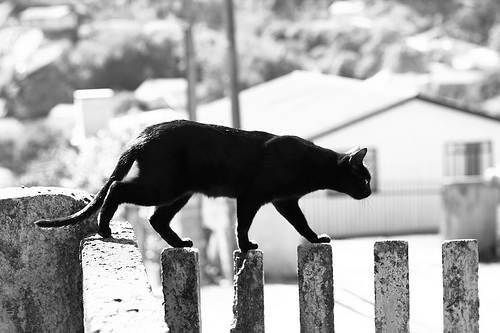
x: 304, y: 104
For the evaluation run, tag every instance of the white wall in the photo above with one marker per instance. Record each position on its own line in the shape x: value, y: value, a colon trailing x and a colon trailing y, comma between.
x: 409, y: 142
x: 410, y: 139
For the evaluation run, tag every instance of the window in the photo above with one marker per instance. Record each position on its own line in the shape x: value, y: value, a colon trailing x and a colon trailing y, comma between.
x: 467, y: 159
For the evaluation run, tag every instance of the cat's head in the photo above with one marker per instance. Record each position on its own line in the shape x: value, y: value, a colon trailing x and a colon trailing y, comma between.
x: 355, y: 177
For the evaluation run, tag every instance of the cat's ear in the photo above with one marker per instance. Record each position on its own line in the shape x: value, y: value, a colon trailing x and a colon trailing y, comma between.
x: 356, y: 157
x: 352, y: 150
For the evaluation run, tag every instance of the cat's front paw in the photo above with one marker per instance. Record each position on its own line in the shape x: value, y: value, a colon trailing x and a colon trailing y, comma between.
x: 104, y: 232
x: 323, y: 239
x: 245, y: 247
x: 185, y: 242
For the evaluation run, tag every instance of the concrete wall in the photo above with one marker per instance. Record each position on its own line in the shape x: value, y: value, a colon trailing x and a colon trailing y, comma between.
x: 471, y: 212
x: 42, y: 270
x: 117, y: 295
x: 40, y: 273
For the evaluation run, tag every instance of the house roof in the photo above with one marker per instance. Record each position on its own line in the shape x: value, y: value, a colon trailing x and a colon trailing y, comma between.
x: 304, y: 104
x: 312, y: 105
x: 163, y: 93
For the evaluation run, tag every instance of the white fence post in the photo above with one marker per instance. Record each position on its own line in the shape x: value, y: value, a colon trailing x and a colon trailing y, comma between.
x: 180, y: 272
x: 392, y: 292
x: 460, y: 286
x: 315, y: 272
x: 248, y: 304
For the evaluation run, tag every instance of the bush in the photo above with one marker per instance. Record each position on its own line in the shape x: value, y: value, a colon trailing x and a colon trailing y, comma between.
x: 87, y: 167
x: 264, y: 60
x: 35, y: 95
x: 401, y: 58
x: 22, y: 144
x: 121, y: 56
x: 473, y: 24
x: 10, y: 130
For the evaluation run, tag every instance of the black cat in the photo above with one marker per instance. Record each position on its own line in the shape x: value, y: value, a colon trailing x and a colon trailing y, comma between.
x: 179, y: 158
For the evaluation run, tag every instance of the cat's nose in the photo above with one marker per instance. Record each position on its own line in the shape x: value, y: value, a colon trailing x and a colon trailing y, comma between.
x: 366, y: 194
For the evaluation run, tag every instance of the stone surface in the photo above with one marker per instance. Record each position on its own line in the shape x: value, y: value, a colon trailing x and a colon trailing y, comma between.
x: 248, y: 303
x: 392, y: 289
x: 117, y: 295
x: 181, y: 289
x: 315, y: 272
x: 460, y: 286
x: 40, y: 273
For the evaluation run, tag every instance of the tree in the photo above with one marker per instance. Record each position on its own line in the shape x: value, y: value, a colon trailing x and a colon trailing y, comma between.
x: 400, y: 58
x: 473, y: 23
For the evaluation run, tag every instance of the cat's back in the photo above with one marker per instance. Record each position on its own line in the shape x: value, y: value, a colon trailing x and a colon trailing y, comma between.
x: 200, y: 138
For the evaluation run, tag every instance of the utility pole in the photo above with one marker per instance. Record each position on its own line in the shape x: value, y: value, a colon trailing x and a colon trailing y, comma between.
x: 233, y: 65
x: 190, y: 60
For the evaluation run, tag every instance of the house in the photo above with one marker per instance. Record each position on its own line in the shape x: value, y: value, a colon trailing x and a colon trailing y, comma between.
x: 163, y: 93
x: 415, y: 144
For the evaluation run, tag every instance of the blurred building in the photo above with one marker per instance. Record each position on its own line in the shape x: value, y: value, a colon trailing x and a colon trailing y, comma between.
x: 415, y: 144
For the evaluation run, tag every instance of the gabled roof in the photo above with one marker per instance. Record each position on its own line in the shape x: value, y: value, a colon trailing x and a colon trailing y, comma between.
x: 311, y: 105
x: 302, y: 103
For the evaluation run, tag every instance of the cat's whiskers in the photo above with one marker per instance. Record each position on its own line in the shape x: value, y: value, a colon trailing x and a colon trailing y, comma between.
x: 368, y: 203
x: 366, y: 208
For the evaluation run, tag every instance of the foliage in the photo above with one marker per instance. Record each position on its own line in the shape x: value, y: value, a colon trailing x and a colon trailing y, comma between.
x: 427, y: 7
x: 10, y: 130
x: 490, y: 88
x: 86, y: 167
x: 473, y: 23
x: 292, y: 9
x: 494, y: 38
x: 122, y: 55
x: 400, y: 58
x: 264, y: 60
x: 22, y: 144
x: 120, y: 46
x: 35, y: 95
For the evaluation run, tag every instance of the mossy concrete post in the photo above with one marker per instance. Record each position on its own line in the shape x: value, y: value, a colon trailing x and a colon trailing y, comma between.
x: 392, y: 289
x: 180, y: 272
x: 460, y: 286
x: 40, y: 273
x: 315, y: 272
x: 248, y: 304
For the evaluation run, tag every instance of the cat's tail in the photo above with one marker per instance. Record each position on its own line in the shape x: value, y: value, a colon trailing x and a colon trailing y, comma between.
x: 121, y: 170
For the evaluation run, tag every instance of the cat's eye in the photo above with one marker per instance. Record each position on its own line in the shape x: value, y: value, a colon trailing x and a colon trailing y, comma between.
x: 367, y: 181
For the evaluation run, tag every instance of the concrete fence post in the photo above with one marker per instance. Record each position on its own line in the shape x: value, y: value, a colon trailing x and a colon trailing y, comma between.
x: 40, y: 272
x: 460, y: 286
x: 180, y: 272
x: 391, y: 281
x: 315, y: 273
x: 248, y: 304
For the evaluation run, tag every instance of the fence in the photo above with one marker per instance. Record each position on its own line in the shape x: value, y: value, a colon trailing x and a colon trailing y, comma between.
x: 47, y: 287
x: 181, y: 288
x: 396, y: 208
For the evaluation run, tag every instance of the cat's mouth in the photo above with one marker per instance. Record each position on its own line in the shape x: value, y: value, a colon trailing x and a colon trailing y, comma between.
x: 362, y: 196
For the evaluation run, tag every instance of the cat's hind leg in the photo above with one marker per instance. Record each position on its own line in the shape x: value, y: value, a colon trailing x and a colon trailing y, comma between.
x: 291, y: 211
x: 161, y: 218
x: 124, y: 192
